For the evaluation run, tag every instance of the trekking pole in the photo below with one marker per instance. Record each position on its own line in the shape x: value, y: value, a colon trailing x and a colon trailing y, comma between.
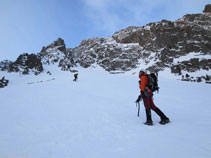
x: 138, y: 104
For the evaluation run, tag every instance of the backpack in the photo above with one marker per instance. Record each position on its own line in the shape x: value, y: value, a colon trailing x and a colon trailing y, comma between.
x: 153, y: 82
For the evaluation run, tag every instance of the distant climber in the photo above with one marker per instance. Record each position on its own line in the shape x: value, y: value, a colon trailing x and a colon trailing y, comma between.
x: 75, y: 77
x: 146, y: 95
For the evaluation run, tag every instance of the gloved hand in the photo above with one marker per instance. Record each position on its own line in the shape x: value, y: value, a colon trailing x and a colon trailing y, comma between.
x: 138, y: 100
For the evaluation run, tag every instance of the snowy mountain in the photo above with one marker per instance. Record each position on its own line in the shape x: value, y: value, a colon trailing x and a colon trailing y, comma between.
x: 182, y: 48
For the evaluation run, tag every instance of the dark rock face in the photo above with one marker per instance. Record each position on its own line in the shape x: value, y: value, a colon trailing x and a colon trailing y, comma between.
x: 191, y: 33
x: 5, y: 65
x: 54, y: 52
x: 161, y: 42
x: 58, y: 44
x: 107, y: 53
x: 206, y: 78
x: 207, y: 8
x: 193, y: 65
x: 156, y: 46
x: 67, y: 62
x: 27, y: 63
x: 58, y: 53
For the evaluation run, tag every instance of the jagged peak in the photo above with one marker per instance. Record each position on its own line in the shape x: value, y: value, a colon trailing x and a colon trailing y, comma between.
x: 207, y: 8
x: 58, y: 44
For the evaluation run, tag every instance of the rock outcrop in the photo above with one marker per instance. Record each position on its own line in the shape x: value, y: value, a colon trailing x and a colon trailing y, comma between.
x: 5, y: 65
x: 156, y: 46
x: 58, y: 44
x: 3, y: 82
x: 207, y: 8
x: 58, y: 53
x: 27, y: 63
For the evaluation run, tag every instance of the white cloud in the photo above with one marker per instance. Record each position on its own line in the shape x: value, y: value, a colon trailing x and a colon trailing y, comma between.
x: 100, y: 14
x: 110, y: 16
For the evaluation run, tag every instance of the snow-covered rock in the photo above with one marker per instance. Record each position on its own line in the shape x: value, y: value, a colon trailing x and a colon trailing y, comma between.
x: 25, y: 64
x: 57, y: 52
x: 156, y: 47
x: 5, y: 65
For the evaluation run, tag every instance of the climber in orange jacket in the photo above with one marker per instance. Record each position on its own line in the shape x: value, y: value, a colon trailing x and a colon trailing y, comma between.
x: 146, y: 95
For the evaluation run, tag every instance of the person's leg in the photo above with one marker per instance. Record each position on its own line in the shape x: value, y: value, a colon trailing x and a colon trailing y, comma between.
x: 148, y: 111
x: 163, y: 117
x: 151, y: 104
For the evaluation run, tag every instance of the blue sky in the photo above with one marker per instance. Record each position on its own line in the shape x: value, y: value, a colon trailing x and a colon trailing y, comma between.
x: 27, y: 25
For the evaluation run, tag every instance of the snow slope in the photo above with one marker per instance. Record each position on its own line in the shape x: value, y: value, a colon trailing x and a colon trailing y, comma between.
x: 53, y: 117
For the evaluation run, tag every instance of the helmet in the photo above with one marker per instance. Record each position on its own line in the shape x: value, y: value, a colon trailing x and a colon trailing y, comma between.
x: 142, y: 71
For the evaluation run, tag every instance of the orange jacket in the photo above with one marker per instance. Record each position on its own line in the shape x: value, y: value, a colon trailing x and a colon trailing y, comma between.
x: 144, y: 82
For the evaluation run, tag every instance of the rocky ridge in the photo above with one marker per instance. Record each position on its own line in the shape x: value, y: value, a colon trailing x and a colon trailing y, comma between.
x: 183, y: 46
x: 155, y: 47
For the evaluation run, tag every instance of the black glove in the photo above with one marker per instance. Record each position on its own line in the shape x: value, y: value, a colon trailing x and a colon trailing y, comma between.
x: 138, y: 100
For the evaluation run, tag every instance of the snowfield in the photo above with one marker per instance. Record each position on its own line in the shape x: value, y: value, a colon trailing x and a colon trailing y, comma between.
x: 50, y: 116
